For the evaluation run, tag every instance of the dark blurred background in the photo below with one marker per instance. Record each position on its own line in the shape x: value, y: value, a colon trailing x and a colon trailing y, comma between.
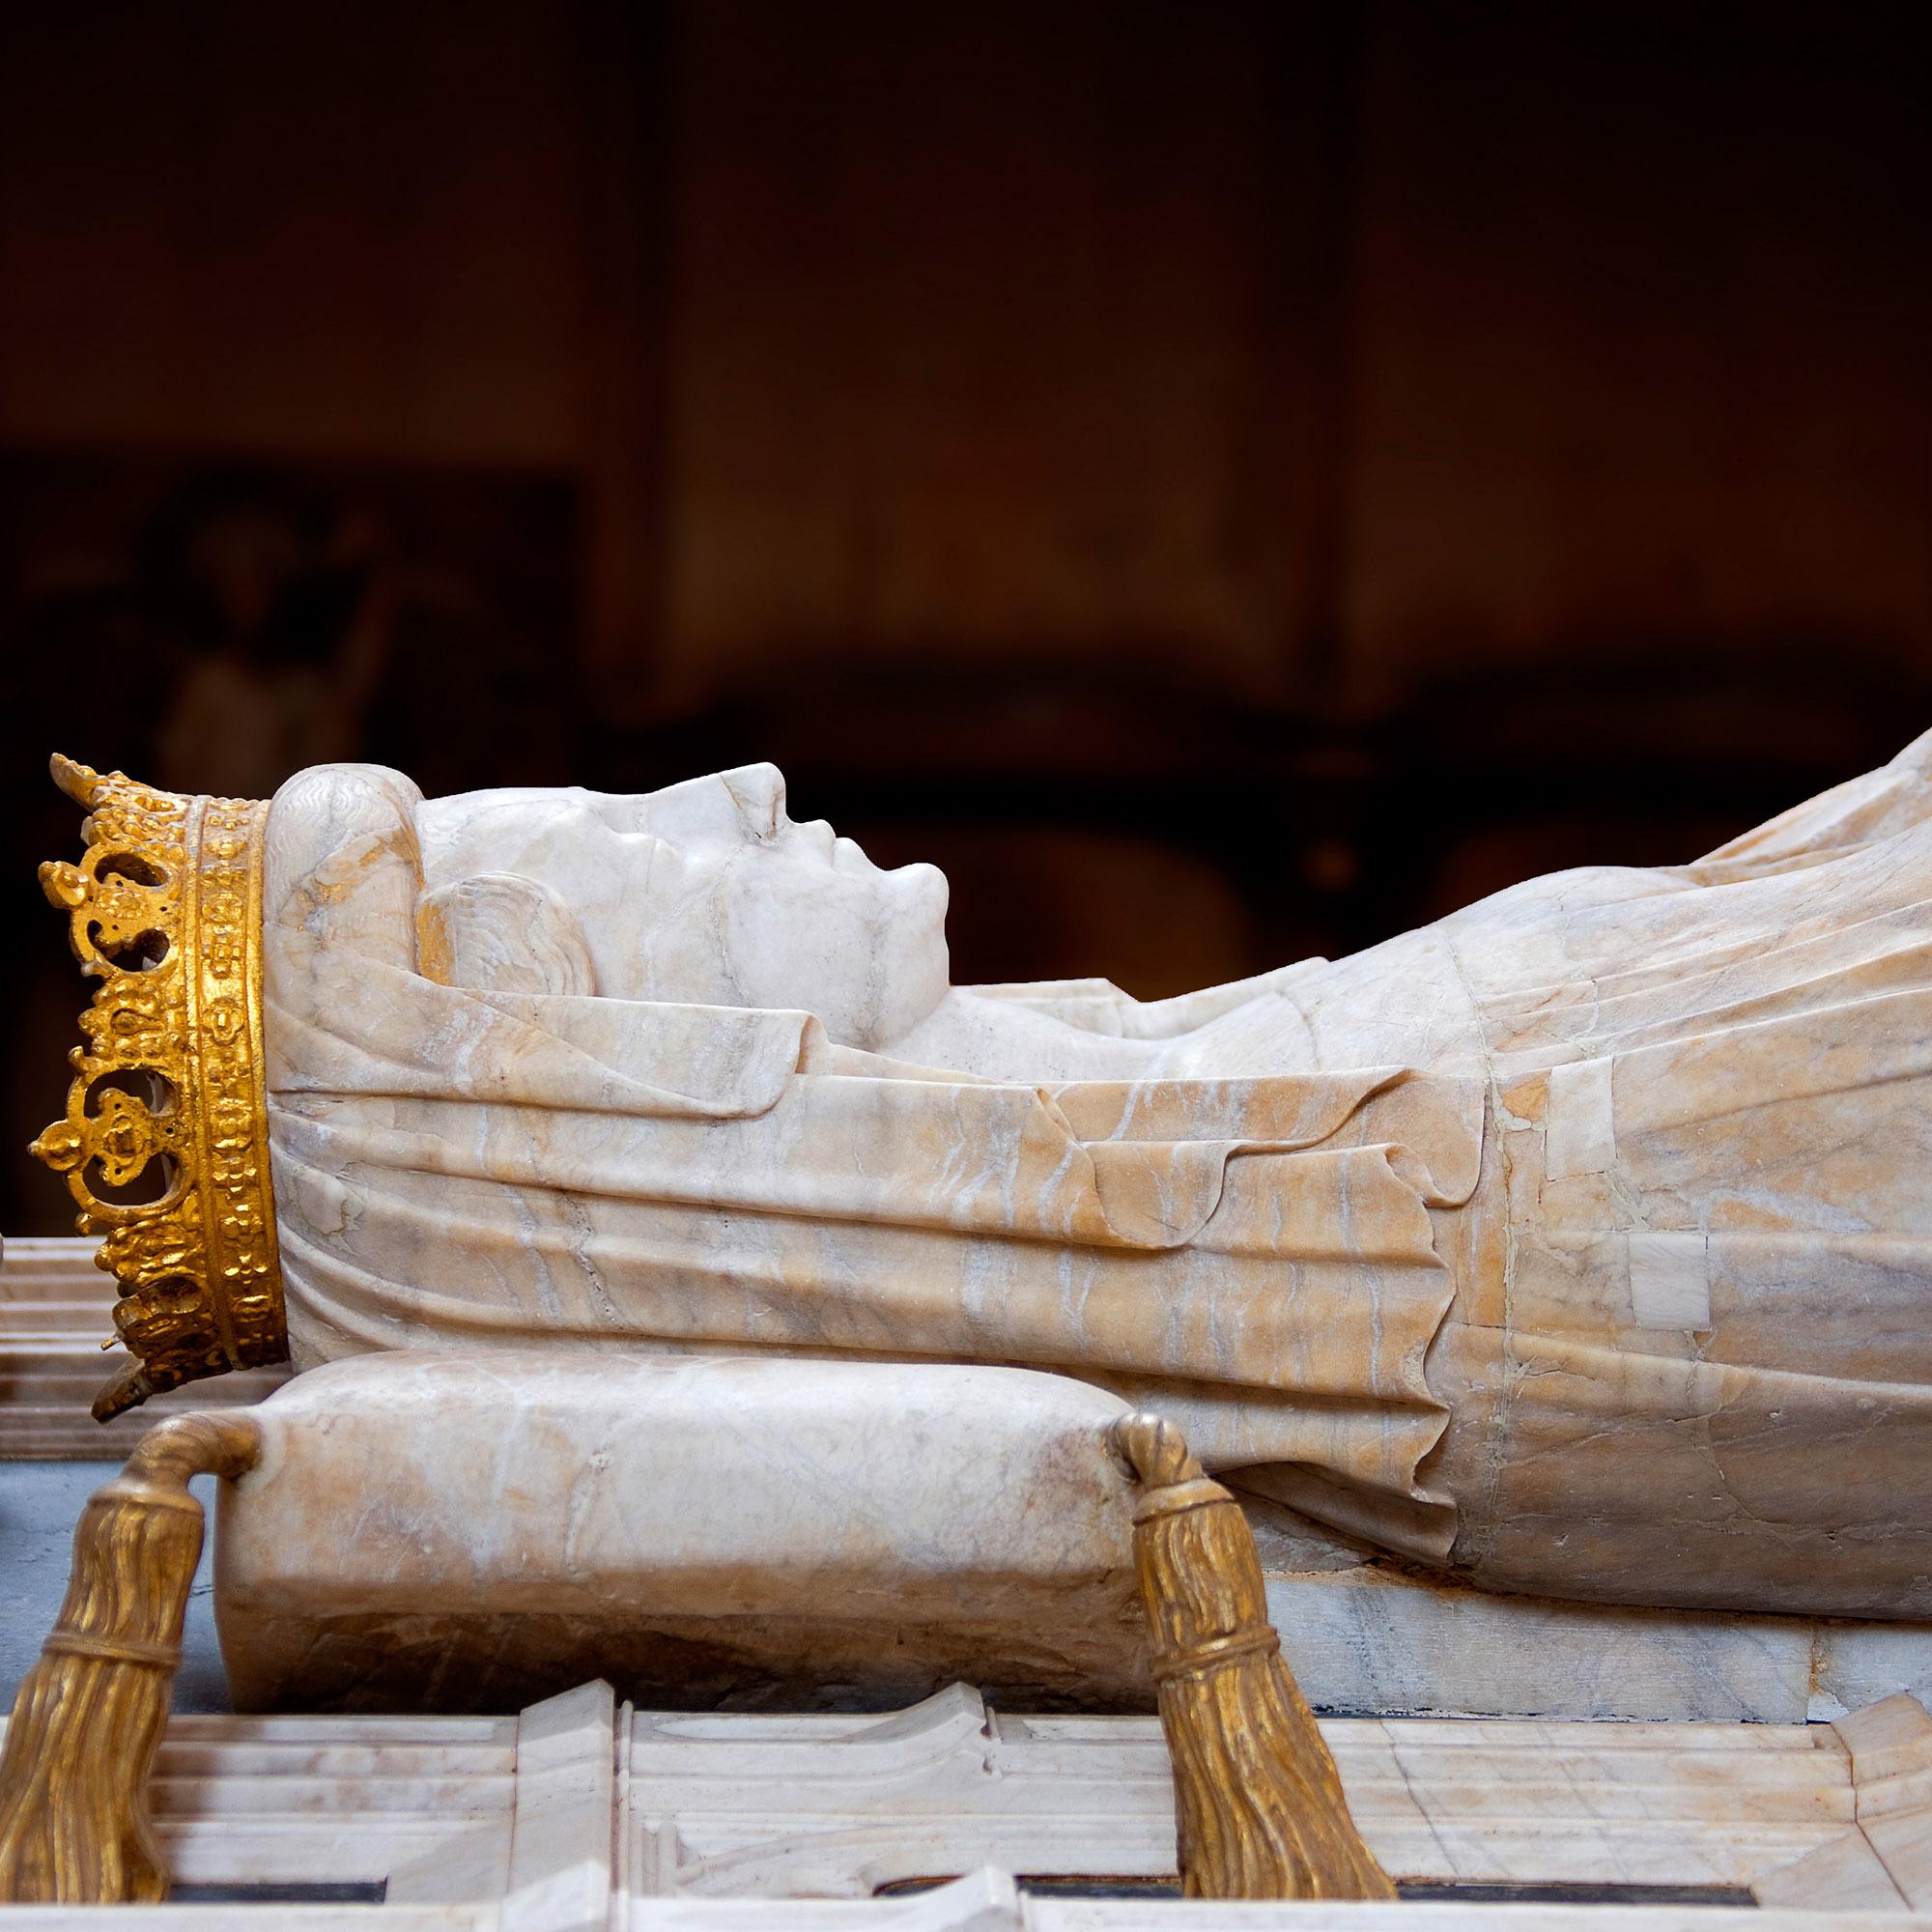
x: 1227, y: 480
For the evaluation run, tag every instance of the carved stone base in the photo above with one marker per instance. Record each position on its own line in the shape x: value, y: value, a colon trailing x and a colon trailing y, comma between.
x: 828, y: 1812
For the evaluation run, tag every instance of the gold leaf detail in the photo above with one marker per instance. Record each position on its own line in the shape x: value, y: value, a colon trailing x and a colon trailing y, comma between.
x: 164, y: 911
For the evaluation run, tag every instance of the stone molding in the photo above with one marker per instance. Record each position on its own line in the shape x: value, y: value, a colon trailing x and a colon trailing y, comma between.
x: 581, y: 1814
x: 56, y: 1310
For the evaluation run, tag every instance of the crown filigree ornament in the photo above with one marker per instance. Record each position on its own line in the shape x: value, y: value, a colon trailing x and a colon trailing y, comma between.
x: 165, y: 1140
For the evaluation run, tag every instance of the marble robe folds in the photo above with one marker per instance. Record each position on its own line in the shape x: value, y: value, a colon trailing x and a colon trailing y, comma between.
x: 458, y: 1167
x: 1581, y: 1241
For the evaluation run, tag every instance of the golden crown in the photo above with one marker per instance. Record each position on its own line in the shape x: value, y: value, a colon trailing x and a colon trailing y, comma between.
x: 165, y: 1141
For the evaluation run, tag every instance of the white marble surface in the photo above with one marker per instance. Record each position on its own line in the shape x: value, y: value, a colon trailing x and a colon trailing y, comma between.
x: 1372, y: 1639
x: 967, y: 1907
x: 714, y: 1820
x: 842, y: 1806
x: 471, y: 1166
x: 1361, y: 1636
x: 454, y: 1530
x: 715, y: 1528
x: 1576, y: 1243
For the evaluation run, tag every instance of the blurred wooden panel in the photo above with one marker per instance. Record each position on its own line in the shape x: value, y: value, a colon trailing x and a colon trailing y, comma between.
x: 1315, y: 349
x: 314, y: 229
x: 1644, y: 337
x: 981, y: 340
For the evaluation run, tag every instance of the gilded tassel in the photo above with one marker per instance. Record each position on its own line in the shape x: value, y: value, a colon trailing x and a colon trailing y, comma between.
x: 1258, y: 1808
x: 74, y: 1827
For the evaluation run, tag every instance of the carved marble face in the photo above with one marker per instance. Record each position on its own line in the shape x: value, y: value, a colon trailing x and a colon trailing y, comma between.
x: 705, y: 893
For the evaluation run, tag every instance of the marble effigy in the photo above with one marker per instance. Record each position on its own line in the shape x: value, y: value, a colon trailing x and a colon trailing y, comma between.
x: 1577, y: 1244
x: 669, y: 1254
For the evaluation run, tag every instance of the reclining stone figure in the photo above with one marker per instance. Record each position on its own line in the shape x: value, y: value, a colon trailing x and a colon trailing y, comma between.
x: 1576, y: 1244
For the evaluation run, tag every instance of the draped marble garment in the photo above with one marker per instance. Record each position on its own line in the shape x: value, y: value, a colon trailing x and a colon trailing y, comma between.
x: 1579, y: 1241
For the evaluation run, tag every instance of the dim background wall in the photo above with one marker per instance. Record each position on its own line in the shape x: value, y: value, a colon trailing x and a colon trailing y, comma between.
x: 1227, y: 481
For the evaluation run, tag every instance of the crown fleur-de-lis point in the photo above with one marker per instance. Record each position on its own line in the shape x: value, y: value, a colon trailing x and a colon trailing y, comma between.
x: 60, y: 1146
x: 79, y: 781
x: 67, y: 887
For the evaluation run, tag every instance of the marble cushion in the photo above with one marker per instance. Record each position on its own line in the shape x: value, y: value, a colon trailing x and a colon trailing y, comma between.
x: 460, y: 1532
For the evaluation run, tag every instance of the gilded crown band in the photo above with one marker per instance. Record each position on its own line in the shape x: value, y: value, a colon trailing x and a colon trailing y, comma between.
x: 165, y: 1139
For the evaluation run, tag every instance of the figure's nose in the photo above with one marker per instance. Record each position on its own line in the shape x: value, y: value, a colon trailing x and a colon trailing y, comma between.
x: 760, y: 793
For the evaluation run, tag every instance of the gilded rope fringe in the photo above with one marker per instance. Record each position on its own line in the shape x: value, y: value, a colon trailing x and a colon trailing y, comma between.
x: 75, y: 1827
x: 1258, y: 1808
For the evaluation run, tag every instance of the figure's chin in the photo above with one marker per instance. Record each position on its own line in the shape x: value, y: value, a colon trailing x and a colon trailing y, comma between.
x: 924, y: 897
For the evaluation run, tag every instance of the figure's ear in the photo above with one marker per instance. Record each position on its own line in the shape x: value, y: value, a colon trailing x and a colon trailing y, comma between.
x: 498, y: 932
